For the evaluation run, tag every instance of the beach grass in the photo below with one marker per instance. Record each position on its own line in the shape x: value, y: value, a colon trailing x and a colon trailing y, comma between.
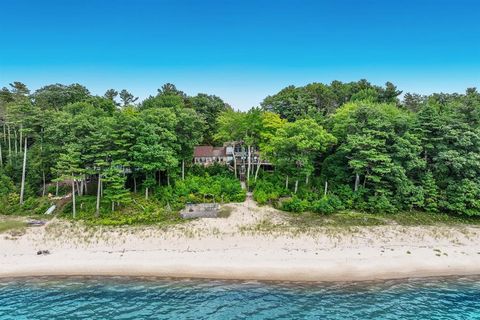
x: 138, y: 212
x: 356, y: 218
x: 225, y: 212
x: 352, y: 220
x: 150, y: 213
x: 418, y: 218
x: 11, y: 225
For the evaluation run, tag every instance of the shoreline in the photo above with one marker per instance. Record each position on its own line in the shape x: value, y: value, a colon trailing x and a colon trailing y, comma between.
x: 241, y: 274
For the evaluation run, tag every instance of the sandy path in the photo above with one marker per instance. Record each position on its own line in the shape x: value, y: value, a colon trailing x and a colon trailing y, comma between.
x: 230, y: 248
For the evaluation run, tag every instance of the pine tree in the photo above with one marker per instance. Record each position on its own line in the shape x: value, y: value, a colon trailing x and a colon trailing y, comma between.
x: 115, y: 191
x: 68, y: 168
x: 430, y: 193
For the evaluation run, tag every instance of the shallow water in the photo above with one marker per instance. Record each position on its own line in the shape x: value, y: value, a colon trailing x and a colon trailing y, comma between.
x: 151, y: 298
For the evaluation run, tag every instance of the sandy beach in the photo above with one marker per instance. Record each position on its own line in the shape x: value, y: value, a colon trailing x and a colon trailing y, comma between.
x: 237, y: 248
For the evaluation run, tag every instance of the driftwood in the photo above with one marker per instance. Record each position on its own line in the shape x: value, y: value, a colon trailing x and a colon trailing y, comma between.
x: 36, y: 223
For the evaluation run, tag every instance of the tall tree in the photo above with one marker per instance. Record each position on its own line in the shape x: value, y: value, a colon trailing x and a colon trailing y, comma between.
x: 155, y: 148
x: 209, y: 107
x: 115, y: 191
x: 127, y: 98
x: 57, y: 96
x: 68, y: 168
x: 111, y: 94
x: 188, y: 130
x: 296, y: 145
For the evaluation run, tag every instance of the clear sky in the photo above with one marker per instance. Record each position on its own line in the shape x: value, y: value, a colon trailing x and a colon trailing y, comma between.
x: 240, y: 50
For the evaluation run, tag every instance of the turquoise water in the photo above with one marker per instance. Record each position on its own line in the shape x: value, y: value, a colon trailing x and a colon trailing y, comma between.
x: 149, y: 298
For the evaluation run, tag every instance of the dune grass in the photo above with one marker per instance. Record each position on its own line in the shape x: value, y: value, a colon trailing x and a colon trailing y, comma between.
x: 356, y: 218
x: 306, y: 222
x: 11, y: 225
x: 225, y: 212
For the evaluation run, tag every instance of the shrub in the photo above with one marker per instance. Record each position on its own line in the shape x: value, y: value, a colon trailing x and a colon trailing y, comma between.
x: 215, y: 169
x: 6, y: 185
x: 206, y: 188
x: 268, y: 188
x: 260, y: 196
x: 379, y: 203
x: 295, y: 204
x: 327, y: 205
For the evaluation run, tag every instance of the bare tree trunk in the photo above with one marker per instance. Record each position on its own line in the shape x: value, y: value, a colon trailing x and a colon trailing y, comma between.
x: 146, y: 193
x: 258, y: 169
x: 56, y: 190
x: 43, y: 169
x: 306, y: 179
x: 286, y: 183
x: 159, y: 177
x: 326, y: 188
x: 15, y: 137
x: 5, y: 142
x: 134, y: 184
x: 113, y: 206
x: 296, y: 186
x: 249, y: 162
x: 24, y: 168
x: 168, y: 179
x: 20, y: 140
x: 183, y: 169
x: 99, y: 186
x: 101, y: 189
x: 73, y: 197
x: 357, y: 181
x: 9, y: 145
x: 43, y: 180
x: 234, y: 163
x: 80, y: 190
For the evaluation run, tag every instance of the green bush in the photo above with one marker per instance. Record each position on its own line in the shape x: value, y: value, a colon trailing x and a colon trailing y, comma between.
x: 206, y: 188
x: 295, y: 204
x: 380, y: 203
x: 327, y: 205
x: 9, y: 205
x: 6, y: 185
x: 214, y: 169
x: 268, y: 189
x: 139, y: 212
x: 260, y: 196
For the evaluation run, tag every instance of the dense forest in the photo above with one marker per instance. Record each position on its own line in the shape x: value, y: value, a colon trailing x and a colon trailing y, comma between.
x: 334, y: 147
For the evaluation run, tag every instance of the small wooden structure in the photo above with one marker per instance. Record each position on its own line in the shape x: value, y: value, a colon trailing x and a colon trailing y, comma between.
x: 200, y: 210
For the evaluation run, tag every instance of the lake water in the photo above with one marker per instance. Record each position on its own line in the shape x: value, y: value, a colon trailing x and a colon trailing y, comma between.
x: 150, y: 298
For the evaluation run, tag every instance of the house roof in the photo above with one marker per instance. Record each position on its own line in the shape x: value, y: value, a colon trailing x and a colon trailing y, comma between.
x: 209, y: 151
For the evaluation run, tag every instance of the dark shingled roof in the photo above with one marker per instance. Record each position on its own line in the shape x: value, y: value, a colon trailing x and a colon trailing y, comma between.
x: 209, y: 151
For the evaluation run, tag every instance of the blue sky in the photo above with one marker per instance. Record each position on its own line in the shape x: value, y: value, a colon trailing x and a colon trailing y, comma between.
x: 240, y: 50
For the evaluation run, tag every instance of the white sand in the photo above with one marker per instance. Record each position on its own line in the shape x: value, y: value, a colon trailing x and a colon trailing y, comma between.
x: 218, y: 248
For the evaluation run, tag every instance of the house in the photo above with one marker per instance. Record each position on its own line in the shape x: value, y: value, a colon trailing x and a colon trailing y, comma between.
x: 234, y: 155
x: 238, y: 154
x: 206, y: 155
